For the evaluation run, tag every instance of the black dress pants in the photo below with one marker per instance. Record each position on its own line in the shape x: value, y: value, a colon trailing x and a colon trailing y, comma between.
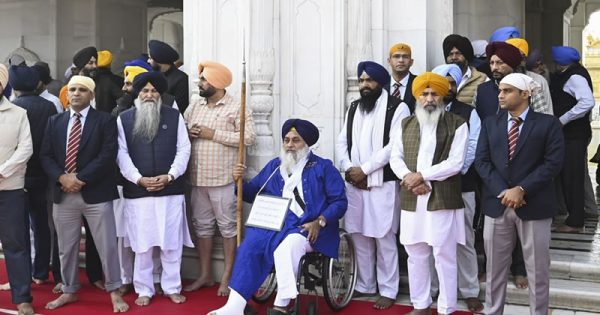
x: 572, y: 179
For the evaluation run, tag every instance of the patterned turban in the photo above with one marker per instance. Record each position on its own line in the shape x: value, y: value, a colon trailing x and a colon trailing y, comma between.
x: 306, y: 130
x: 376, y: 71
x: 215, y: 73
x: 507, y: 52
x: 430, y: 80
x: 565, y: 55
x: 461, y: 43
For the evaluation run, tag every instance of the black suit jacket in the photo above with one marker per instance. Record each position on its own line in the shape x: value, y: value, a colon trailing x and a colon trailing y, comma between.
x: 95, y: 159
x: 409, y: 98
x: 538, y: 159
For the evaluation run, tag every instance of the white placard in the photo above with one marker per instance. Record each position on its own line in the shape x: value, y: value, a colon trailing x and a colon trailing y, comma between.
x: 268, y: 212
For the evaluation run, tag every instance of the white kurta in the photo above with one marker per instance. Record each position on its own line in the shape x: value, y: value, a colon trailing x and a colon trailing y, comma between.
x: 432, y: 227
x: 156, y: 221
x: 374, y: 212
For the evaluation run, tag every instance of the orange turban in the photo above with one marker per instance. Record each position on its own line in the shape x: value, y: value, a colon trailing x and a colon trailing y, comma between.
x: 521, y: 44
x: 215, y: 73
x: 63, y: 97
x: 400, y: 46
x: 130, y: 72
x: 104, y: 59
x: 430, y: 80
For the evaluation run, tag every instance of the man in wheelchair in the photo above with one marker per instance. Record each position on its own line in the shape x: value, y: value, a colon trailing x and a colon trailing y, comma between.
x: 318, y: 201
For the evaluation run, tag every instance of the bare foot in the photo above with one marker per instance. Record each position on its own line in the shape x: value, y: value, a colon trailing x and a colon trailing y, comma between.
x: 142, y: 300
x: 119, y: 306
x: 425, y: 311
x: 39, y: 281
x: 63, y: 299
x: 223, y: 290
x: 99, y: 284
x: 5, y: 286
x: 126, y: 288
x: 474, y: 305
x: 158, y: 289
x: 383, y: 303
x: 176, y: 298
x: 199, y: 283
x: 57, y: 288
x: 25, y: 309
x: 521, y: 282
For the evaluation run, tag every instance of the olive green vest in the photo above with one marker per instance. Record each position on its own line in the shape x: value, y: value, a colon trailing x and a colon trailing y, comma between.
x: 444, y: 194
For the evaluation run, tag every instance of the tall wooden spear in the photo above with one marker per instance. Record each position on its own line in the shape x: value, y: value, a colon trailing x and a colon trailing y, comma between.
x: 241, y: 148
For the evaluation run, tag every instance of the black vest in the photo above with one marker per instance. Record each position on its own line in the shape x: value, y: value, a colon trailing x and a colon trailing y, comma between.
x: 562, y: 102
x: 154, y: 158
x: 392, y: 104
x: 487, y: 103
x: 468, y: 180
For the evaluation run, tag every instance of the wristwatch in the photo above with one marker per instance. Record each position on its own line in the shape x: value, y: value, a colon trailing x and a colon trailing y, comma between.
x: 322, y: 222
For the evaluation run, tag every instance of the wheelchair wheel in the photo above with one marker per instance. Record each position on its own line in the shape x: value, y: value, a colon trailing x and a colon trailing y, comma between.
x: 266, y: 289
x: 339, y: 275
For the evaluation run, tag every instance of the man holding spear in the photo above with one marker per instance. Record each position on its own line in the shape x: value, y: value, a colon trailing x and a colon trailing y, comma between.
x: 214, y: 125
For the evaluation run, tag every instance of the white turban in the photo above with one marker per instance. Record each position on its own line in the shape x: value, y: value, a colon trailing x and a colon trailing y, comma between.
x: 83, y: 80
x: 522, y: 82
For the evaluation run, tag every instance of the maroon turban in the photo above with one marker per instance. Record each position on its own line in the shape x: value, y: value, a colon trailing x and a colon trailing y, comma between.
x: 510, y: 54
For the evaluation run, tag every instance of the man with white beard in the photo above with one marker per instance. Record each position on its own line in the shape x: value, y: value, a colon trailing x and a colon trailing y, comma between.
x: 364, y: 147
x: 428, y: 153
x: 318, y: 201
x: 154, y: 150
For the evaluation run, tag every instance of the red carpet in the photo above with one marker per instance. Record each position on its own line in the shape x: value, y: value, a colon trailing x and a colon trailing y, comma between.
x: 95, y: 302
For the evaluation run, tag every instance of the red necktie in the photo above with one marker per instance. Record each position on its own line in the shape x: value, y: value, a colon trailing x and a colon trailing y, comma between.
x: 513, y: 136
x: 73, y: 145
x: 396, y: 90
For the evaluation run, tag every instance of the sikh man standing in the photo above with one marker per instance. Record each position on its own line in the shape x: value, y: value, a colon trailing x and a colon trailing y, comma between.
x: 15, y: 150
x: 519, y: 154
x: 468, y: 283
x: 78, y: 154
x: 154, y: 150
x: 364, y: 149
x: 162, y: 58
x: 214, y: 127
x: 459, y: 51
x: 318, y: 202
x: 428, y: 154
x: 400, y: 61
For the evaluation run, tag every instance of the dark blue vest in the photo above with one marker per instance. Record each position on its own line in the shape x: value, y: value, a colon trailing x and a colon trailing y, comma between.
x: 154, y: 158
x: 487, y: 103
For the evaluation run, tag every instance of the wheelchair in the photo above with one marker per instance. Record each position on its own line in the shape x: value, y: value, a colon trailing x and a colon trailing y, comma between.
x: 336, y: 277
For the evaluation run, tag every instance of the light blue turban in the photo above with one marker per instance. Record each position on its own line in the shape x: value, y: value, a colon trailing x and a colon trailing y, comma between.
x: 449, y: 70
x: 504, y: 33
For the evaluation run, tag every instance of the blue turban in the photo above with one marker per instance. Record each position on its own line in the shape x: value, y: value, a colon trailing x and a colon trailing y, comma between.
x: 504, y: 33
x: 565, y: 55
x: 161, y: 52
x: 23, y: 78
x: 43, y: 71
x: 138, y: 63
x: 376, y: 71
x: 156, y: 78
x: 449, y: 70
x: 306, y: 130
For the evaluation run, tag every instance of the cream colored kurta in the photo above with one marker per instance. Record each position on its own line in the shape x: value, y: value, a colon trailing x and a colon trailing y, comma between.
x: 374, y: 212
x: 432, y: 227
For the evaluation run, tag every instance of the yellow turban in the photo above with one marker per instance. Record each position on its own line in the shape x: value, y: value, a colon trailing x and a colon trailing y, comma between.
x: 215, y: 73
x: 430, y: 80
x: 104, y: 58
x: 521, y: 44
x: 83, y: 80
x: 400, y: 46
x: 130, y: 72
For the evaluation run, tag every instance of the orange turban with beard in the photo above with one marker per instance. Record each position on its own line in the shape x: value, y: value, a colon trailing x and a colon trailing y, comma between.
x: 430, y: 80
x: 215, y: 73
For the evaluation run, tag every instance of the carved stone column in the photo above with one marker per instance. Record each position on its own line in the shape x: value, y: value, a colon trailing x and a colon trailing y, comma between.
x: 358, y: 47
x: 261, y: 75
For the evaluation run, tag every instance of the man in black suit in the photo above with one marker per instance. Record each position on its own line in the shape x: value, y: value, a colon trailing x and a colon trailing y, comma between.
x: 78, y: 154
x: 400, y: 61
x: 519, y: 153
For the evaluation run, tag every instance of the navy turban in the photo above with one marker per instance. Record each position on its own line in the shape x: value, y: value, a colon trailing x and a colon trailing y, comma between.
x: 376, y: 71
x: 306, y: 130
x: 161, y: 52
x: 23, y: 78
x: 565, y: 55
x: 533, y: 58
x: 156, y: 78
x: 504, y: 33
x: 139, y: 63
x: 510, y: 54
x: 83, y: 56
x: 461, y: 43
x: 43, y: 71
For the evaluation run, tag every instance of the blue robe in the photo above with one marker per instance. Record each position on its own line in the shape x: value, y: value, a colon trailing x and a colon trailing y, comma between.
x: 324, y: 194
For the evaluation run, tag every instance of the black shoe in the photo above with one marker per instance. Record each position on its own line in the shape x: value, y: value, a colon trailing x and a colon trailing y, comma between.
x: 249, y: 310
x: 272, y: 311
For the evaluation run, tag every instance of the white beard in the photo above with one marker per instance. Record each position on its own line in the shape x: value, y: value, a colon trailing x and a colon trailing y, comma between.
x: 290, y: 159
x: 147, y: 119
x: 428, y: 118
